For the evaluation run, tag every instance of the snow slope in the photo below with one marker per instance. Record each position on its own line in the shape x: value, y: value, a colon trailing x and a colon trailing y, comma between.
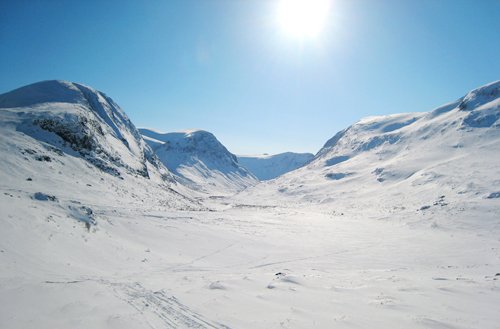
x: 201, y: 160
x: 405, y: 160
x: 266, y: 167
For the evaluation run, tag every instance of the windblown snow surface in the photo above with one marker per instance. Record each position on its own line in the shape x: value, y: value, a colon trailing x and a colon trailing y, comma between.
x: 394, y: 224
x: 200, y: 160
x: 266, y: 167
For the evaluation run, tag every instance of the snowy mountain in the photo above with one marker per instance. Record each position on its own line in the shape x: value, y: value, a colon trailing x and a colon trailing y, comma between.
x: 200, y: 160
x: 266, y: 167
x: 405, y: 161
x: 66, y: 141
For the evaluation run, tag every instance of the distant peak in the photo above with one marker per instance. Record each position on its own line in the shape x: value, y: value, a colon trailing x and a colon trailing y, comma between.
x: 277, y: 155
x: 193, y: 131
x: 190, y: 134
x: 196, y: 132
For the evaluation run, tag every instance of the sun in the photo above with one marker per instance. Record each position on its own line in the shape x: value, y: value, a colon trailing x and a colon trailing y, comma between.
x: 303, y: 18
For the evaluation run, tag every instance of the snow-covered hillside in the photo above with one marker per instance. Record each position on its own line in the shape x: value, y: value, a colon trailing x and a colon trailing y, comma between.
x: 266, y: 167
x: 405, y: 161
x: 201, y: 160
x: 73, y: 145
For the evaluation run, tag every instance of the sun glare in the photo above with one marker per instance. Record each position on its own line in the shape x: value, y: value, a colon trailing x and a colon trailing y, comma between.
x: 303, y: 18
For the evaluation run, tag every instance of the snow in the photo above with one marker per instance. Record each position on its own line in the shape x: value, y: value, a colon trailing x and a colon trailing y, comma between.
x: 402, y: 233
x: 266, y: 167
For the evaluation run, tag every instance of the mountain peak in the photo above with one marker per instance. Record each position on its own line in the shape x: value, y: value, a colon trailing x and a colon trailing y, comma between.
x: 82, y: 121
x: 49, y: 91
x: 199, y: 159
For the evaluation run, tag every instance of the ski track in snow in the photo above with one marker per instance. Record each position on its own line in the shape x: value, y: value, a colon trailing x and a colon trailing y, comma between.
x: 167, y: 308
x: 157, y: 308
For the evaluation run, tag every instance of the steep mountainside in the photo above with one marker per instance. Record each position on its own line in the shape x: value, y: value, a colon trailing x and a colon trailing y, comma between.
x: 201, y: 160
x: 405, y: 161
x: 70, y: 144
x: 267, y: 167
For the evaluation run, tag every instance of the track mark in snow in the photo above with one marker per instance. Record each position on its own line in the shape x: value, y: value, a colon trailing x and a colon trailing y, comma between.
x: 299, y: 259
x: 215, y: 252
x: 157, y: 307
x: 434, y: 324
x: 64, y: 282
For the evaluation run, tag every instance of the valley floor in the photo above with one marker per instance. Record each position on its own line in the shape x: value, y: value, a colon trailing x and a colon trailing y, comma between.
x: 246, y: 266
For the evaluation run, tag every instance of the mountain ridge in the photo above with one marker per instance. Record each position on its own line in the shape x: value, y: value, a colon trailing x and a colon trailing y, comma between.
x: 66, y: 133
x: 405, y: 160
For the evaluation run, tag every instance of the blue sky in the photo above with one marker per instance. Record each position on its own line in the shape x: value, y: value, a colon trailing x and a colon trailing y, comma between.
x: 226, y: 66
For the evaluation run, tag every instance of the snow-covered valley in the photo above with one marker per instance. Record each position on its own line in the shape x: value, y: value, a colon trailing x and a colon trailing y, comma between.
x: 394, y: 224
